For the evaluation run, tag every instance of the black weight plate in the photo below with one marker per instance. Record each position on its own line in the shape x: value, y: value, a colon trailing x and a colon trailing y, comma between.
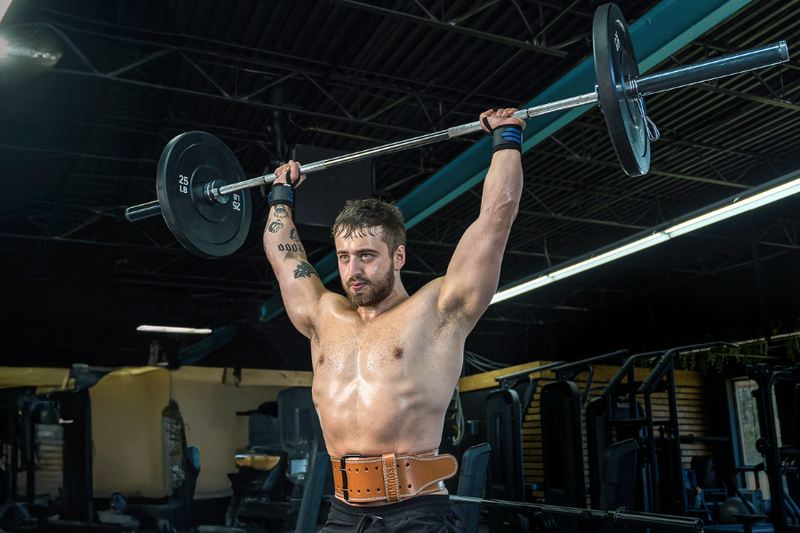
x: 614, y: 64
x: 187, y: 164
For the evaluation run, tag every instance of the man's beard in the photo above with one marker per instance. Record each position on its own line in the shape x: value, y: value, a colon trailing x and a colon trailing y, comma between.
x: 373, y: 292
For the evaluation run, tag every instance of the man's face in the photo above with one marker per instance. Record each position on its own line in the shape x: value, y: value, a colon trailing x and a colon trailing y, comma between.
x: 366, y: 268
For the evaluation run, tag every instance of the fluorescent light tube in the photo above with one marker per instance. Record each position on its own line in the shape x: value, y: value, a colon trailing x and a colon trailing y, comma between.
x: 735, y: 208
x: 170, y: 329
x: 622, y: 251
x: 739, y: 206
x: 4, y: 5
x: 519, y: 289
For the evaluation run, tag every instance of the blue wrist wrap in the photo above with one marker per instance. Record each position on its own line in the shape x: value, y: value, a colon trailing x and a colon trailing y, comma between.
x: 507, y: 137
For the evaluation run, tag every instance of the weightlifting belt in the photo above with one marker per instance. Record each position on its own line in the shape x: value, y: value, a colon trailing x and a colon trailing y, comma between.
x: 391, y: 477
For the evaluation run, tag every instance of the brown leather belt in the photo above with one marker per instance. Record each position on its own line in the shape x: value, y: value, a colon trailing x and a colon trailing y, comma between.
x: 391, y: 477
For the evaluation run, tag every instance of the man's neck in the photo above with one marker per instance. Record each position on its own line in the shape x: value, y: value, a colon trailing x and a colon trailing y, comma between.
x: 396, y: 297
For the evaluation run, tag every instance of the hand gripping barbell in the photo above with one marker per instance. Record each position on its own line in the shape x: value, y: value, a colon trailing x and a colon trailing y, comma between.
x: 202, y: 190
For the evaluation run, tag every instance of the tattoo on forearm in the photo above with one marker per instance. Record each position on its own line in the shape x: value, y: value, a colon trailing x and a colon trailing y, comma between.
x: 275, y: 226
x: 280, y: 211
x: 293, y: 235
x: 290, y: 248
x: 304, y: 270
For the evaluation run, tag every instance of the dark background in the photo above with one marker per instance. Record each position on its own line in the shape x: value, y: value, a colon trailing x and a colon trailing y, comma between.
x: 80, y: 142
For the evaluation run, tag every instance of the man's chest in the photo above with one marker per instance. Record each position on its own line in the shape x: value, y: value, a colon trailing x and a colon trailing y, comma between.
x: 379, y: 346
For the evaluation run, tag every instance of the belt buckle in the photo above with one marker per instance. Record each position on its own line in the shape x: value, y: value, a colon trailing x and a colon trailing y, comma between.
x: 343, y: 470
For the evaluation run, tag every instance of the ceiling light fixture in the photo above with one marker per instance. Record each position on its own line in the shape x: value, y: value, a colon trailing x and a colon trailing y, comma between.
x: 171, y: 329
x: 4, y: 5
x: 774, y: 191
x: 28, y: 49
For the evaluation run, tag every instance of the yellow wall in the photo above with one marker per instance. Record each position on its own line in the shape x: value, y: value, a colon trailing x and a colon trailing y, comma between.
x: 126, y: 432
x: 127, y: 449
x: 209, y: 406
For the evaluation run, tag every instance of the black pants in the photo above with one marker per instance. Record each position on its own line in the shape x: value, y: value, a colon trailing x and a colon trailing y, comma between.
x: 423, y: 514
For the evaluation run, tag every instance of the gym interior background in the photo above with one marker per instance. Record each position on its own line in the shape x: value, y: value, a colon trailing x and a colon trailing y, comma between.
x: 104, y: 85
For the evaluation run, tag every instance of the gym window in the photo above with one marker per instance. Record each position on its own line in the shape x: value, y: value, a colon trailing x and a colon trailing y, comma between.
x: 746, y: 432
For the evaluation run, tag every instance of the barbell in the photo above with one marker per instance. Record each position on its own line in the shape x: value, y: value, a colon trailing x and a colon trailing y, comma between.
x: 620, y: 517
x: 203, y: 194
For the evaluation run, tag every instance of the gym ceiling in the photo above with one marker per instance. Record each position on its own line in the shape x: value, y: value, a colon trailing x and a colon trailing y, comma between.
x: 80, y: 141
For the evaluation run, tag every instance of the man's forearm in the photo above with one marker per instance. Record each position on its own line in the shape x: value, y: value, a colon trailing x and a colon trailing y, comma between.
x: 502, y: 187
x: 282, y: 243
x: 280, y: 234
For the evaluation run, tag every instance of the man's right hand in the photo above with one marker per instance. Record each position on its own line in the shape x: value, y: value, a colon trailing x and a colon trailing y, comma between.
x: 499, y: 118
x: 293, y: 170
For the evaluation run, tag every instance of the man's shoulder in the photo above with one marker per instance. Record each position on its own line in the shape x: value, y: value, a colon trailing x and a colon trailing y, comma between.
x: 428, y: 293
x: 332, y: 302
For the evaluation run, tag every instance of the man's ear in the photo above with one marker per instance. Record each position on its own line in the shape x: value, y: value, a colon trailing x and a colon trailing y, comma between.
x: 399, y: 257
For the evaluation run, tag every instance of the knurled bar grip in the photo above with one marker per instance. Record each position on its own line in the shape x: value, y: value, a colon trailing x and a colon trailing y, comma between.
x: 619, y: 517
x: 664, y: 81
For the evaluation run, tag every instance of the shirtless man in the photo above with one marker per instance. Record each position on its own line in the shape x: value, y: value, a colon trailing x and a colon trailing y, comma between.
x: 386, y: 363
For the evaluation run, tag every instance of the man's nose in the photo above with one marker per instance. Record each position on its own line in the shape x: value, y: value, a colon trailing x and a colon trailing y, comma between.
x: 355, y: 267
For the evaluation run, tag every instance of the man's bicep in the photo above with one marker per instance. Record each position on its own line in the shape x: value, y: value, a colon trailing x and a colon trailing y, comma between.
x: 301, y: 289
x: 474, y: 272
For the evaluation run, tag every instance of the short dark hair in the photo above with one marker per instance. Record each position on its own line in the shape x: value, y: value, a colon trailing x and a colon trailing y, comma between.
x: 361, y: 217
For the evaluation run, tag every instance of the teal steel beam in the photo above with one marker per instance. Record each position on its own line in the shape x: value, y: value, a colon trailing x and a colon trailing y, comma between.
x: 662, y: 31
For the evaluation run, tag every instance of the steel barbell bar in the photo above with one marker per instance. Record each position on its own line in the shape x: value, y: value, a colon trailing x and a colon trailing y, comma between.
x: 635, y: 88
x: 619, y: 517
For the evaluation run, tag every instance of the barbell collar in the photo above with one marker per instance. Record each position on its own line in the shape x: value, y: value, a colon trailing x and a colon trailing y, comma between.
x: 709, y: 70
x: 212, y: 195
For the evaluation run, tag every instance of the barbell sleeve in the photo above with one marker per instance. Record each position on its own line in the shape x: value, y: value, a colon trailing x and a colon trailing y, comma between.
x: 710, y: 70
x: 142, y: 211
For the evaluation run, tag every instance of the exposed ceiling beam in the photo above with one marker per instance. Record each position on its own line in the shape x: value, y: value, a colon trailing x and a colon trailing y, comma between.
x: 522, y: 45
x: 665, y: 29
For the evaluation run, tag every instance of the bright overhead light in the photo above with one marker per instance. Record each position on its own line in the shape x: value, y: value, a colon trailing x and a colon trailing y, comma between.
x: 622, y: 251
x: 519, y: 289
x: 735, y: 206
x: 170, y: 329
x: 4, y: 4
x: 607, y: 257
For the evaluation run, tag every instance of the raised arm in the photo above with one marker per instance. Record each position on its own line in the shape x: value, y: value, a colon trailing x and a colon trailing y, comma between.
x: 474, y: 270
x: 301, y: 287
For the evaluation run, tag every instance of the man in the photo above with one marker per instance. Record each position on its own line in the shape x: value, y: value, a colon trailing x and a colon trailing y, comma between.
x: 386, y: 363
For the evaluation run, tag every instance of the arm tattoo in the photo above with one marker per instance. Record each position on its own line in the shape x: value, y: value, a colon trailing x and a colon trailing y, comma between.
x: 293, y: 235
x: 275, y: 226
x: 304, y: 270
x: 280, y: 211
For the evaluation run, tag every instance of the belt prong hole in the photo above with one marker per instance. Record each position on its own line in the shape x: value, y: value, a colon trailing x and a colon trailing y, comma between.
x: 368, y: 490
x: 376, y: 468
x: 409, y: 486
x: 406, y: 465
x: 379, y: 489
x: 356, y: 469
x: 359, y: 491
